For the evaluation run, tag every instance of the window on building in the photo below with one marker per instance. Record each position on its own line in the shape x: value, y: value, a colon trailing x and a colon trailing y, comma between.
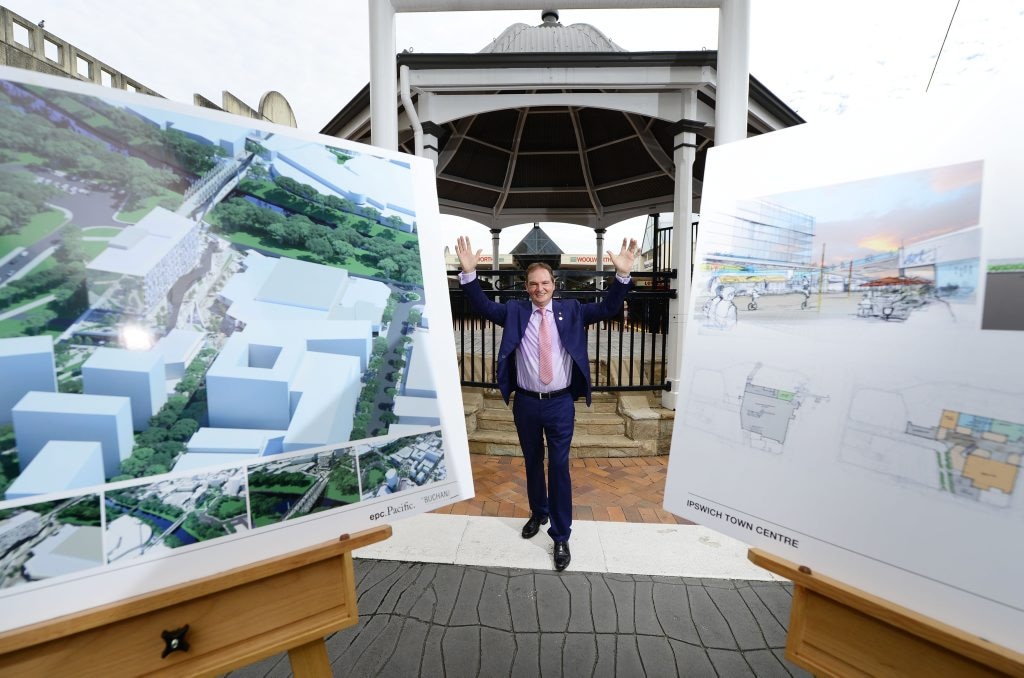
x: 106, y: 78
x: 51, y: 50
x: 82, y: 66
x: 22, y: 34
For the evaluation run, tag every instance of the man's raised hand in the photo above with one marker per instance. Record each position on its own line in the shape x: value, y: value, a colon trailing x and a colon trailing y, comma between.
x: 467, y: 257
x: 623, y: 261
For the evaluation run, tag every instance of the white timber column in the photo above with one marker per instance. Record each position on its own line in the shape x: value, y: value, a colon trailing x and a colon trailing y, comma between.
x: 432, y: 135
x: 383, y: 83
x: 731, y: 98
x: 685, y: 145
x: 495, y: 237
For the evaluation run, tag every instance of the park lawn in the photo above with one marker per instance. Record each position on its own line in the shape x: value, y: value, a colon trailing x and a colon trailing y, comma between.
x: 229, y: 508
x: 100, y: 232
x: 283, y: 489
x: 354, y: 267
x: 38, y: 227
x: 44, y: 265
x: 282, y: 198
x: 15, y: 327
x: 250, y: 240
x: 92, y: 248
x: 374, y: 477
x: 27, y: 158
x: 98, y: 121
x: 357, y: 267
x: 334, y: 495
x: 145, y: 207
x: 401, y: 237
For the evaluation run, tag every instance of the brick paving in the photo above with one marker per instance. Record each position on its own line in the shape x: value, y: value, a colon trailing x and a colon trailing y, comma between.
x: 619, y: 489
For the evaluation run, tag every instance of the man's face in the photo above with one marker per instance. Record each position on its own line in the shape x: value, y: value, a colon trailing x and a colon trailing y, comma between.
x: 540, y: 286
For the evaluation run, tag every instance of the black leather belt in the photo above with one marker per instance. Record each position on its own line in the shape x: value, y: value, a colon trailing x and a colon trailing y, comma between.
x: 542, y: 396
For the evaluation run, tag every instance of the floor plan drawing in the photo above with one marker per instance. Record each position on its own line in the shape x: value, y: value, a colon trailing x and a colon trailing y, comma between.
x: 982, y: 455
x: 757, y: 414
x: 970, y: 456
x: 766, y: 411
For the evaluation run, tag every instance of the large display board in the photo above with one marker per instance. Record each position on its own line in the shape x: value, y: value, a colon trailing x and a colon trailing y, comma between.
x: 215, y: 344
x: 853, y: 383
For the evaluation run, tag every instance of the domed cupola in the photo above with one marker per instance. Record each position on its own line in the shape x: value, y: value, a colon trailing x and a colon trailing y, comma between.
x: 551, y: 36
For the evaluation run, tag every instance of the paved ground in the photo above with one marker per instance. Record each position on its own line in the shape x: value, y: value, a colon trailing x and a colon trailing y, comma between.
x: 424, y: 619
x: 458, y: 593
x: 626, y: 489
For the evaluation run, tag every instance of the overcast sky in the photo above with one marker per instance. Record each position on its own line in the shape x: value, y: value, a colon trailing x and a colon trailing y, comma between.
x: 824, y: 58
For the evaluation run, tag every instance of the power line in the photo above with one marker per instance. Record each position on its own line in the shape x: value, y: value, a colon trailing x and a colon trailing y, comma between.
x: 936, y: 64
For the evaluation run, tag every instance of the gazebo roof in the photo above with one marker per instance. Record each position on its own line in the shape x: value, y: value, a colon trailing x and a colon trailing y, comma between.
x: 551, y: 36
x: 583, y: 137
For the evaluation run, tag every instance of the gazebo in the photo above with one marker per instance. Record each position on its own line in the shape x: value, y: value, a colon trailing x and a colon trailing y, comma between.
x: 557, y: 123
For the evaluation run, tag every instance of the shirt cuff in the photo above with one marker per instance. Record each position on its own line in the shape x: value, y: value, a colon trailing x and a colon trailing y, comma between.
x: 466, y: 277
x: 624, y: 279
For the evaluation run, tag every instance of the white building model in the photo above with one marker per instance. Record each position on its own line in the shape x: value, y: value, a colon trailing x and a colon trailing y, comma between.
x: 137, y: 375
x: 26, y: 364
x: 359, y: 180
x: 292, y: 375
x: 142, y: 262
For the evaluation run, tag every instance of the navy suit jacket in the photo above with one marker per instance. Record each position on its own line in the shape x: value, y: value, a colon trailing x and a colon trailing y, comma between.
x: 571, y: 319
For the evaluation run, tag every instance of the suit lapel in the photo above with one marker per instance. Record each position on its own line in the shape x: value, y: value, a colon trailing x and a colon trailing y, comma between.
x: 524, y: 317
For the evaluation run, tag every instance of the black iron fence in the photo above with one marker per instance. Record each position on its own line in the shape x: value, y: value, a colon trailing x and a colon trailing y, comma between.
x: 627, y: 353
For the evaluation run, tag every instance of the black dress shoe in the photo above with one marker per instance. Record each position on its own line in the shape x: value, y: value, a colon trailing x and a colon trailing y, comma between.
x: 562, y: 555
x: 532, y: 526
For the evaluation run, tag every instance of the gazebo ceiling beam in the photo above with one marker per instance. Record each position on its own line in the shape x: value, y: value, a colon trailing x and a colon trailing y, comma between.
x: 548, y: 189
x: 651, y: 145
x: 585, y: 163
x: 612, y: 142
x: 629, y: 180
x: 459, y: 129
x: 488, y: 144
x: 469, y: 182
x: 510, y: 168
x: 540, y: 153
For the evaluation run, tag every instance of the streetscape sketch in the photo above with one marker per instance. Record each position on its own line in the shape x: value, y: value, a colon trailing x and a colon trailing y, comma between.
x: 851, y: 393
x: 816, y: 256
x: 206, y: 323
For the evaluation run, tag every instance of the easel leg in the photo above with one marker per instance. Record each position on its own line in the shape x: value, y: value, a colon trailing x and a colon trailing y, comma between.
x: 310, y: 660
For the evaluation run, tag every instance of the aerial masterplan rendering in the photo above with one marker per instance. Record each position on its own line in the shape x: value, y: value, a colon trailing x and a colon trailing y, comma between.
x: 188, y: 302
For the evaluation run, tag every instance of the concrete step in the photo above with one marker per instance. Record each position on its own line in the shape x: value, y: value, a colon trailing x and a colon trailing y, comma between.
x: 587, y: 423
x: 583, y: 445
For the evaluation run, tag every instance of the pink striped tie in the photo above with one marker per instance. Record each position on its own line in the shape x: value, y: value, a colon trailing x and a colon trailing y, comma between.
x: 547, y: 372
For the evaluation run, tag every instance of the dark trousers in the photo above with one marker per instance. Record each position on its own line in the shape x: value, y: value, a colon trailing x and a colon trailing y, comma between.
x: 537, y: 420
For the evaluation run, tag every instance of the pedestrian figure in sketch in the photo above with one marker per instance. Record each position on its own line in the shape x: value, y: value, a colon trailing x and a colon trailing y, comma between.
x: 754, y: 296
x: 806, y: 291
x: 720, y: 310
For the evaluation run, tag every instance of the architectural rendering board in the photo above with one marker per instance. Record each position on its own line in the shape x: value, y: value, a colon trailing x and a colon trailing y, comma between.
x: 853, y: 393
x: 213, y: 341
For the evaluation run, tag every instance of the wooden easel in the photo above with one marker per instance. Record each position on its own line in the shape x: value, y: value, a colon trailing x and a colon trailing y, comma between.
x: 837, y: 630
x: 289, y: 602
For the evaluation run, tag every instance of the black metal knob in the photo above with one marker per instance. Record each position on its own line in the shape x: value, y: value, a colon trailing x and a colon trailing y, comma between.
x: 174, y: 641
